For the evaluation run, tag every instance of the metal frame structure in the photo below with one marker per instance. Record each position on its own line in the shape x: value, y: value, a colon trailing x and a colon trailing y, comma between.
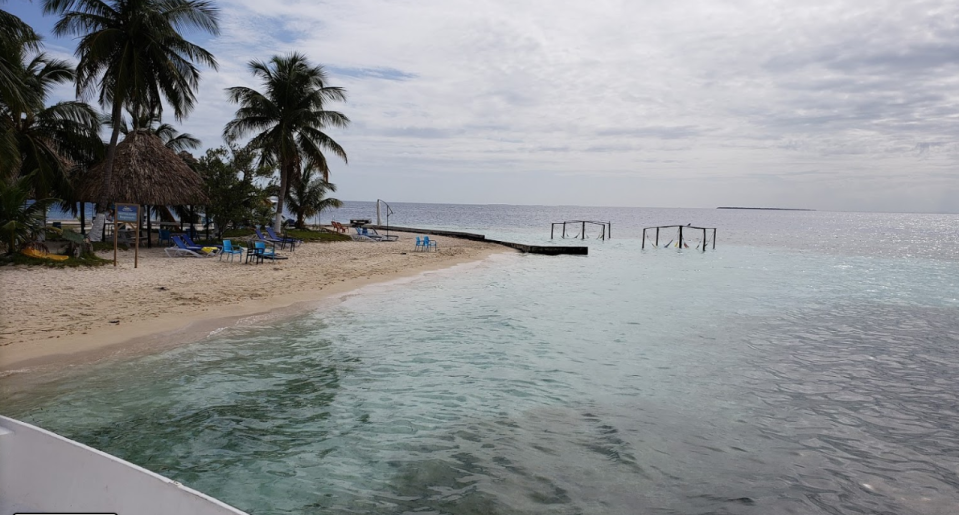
x: 681, y: 227
x: 607, y: 228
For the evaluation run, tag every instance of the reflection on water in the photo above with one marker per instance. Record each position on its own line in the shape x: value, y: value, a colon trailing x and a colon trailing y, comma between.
x: 745, y: 381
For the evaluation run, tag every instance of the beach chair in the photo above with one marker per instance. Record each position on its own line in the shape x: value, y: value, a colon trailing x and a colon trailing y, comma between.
x: 259, y: 252
x: 180, y: 248
x: 209, y: 250
x: 373, y: 233
x: 190, y: 243
x: 164, y: 237
x: 370, y: 233
x: 429, y: 244
x: 263, y: 237
x: 283, y: 239
x: 419, y: 245
x: 230, y: 251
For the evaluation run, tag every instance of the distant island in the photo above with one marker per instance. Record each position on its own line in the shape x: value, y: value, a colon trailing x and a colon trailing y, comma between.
x: 765, y: 208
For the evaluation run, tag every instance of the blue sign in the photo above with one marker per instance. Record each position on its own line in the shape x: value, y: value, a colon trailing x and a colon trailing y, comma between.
x: 128, y: 213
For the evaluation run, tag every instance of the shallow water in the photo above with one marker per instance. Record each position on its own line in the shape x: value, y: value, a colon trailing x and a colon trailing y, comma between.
x: 759, y: 378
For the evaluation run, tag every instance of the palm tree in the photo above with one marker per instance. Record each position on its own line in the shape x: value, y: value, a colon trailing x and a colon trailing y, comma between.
x: 308, y: 197
x: 288, y: 118
x: 49, y: 140
x: 20, y: 220
x: 132, y: 53
x: 16, y: 37
x: 172, y: 138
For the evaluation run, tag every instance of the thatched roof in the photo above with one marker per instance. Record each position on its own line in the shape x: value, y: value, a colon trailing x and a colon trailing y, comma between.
x: 145, y: 172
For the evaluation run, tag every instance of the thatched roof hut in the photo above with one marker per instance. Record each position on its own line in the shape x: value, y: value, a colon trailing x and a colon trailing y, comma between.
x: 145, y: 172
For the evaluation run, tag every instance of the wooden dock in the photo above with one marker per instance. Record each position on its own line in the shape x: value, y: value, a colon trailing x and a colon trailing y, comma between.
x: 546, y: 250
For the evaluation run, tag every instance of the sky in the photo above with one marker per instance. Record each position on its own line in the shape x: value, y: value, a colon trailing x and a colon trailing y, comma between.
x: 831, y: 105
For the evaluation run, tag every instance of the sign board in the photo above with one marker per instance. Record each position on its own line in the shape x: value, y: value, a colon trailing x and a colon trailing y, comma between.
x: 128, y: 213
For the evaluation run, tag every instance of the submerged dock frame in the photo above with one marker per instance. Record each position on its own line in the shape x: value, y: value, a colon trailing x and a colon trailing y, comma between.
x: 681, y: 227
x: 607, y: 228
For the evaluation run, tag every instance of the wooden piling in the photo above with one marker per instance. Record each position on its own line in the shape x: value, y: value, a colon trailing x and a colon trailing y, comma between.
x: 583, y: 233
x: 83, y: 219
x: 680, y: 236
x: 149, y: 228
x: 704, y: 240
x: 714, y: 239
x: 657, y: 236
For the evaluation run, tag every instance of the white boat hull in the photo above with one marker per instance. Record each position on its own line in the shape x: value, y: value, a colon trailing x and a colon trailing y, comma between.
x: 42, y: 472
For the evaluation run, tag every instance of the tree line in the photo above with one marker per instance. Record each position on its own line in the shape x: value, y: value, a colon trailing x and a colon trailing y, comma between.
x: 135, y: 65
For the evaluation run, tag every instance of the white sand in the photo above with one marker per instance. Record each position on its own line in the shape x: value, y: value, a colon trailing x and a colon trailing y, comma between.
x: 63, y: 316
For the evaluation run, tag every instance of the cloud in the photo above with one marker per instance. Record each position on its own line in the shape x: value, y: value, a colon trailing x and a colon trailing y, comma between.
x: 630, y: 103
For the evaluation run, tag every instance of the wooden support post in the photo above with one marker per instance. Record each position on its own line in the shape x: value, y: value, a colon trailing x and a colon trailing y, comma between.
x: 680, y: 236
x: 714, y: 239
x: 552, y: 227
x: 583, y: 234
x: 564, y: 230
x: 136, y: 246
x: 610, y: 224
x: 704, y: 240
x: 83, y: 219
x: 149, y: 229
x: 657, y: 236
x: 604, y: 232
x: 644, y: 238
x: 115, y: 227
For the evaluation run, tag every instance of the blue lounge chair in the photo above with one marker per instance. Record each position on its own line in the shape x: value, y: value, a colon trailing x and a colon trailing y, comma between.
x: 429, y: 244
x: 190, y: 243
x: 284, y: 239
x: 229, y: 250
x: 371, y: 234
x: 180, y: 248
x: 263, y: 237
x: 419, y: 244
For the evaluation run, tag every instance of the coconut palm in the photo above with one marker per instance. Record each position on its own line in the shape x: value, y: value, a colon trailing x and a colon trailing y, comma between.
x: 14, y: 35
x: 132, y: 54
x: 20, y: 220
x: 172, y: 138
x: 288, y: 118
x: 308, y: 197
x: 49, y: 140
x: 16, y: 38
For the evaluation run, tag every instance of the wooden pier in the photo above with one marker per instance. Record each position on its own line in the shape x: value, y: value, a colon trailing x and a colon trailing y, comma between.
x: 546, y: 250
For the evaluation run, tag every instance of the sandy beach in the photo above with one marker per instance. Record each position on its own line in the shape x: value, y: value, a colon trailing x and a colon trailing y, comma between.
x: 60, y: 317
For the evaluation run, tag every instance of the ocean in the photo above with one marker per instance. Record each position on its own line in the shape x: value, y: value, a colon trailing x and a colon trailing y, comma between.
x: 806, y: 366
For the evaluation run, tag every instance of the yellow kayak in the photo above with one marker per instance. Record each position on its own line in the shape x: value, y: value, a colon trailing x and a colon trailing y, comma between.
x: 43, y: 255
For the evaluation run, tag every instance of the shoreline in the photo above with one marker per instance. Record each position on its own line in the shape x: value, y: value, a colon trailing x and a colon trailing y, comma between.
x: 26, y: 353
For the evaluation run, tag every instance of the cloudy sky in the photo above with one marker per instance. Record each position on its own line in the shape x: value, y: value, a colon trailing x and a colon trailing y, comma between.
x: 833, y: 105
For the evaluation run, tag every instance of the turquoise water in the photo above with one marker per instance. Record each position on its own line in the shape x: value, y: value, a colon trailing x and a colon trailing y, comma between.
x: 760, y: 378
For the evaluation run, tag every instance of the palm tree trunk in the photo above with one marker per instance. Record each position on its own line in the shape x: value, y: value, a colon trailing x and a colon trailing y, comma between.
x: 280, y: 197
x: 83, y: 219
x: 111, y: 152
